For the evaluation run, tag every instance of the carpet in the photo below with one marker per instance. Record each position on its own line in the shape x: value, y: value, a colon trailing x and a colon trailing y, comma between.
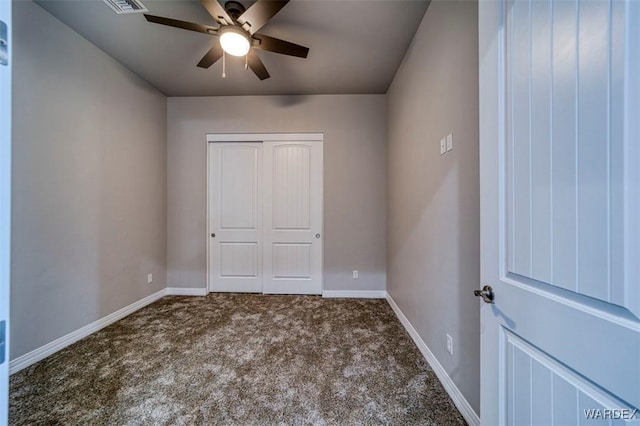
x: 238, y: 360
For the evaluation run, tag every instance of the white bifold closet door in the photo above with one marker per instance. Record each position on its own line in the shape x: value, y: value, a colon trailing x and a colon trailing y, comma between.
x: 266, y: 217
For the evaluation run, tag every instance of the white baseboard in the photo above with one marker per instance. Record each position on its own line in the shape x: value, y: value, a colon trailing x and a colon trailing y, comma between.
x: 50, y: 348
x: 354, y: 294
x: 458, y: 399
x: 182, y: 291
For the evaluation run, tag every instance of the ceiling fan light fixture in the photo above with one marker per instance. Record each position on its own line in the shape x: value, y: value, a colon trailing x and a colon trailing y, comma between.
x: 234, y: 41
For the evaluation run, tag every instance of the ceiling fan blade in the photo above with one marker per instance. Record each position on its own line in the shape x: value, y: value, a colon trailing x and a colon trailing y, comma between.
x: 217, y: 12
x: 211, y: 56
x: 182, y: 24
x: 256, y: 65
x: 260, y: 12
x: 280, y: 46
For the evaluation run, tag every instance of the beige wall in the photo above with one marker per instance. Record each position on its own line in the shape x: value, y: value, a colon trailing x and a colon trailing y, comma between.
x: 354, y: 177
x: 89, y: 191
x: 433, y: 201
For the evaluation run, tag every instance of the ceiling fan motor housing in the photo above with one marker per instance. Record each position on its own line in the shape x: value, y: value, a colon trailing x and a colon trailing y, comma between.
x: 234, y: 9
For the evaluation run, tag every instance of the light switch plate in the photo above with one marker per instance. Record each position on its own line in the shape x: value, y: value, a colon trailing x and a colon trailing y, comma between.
x: 443, y: 146
x: 449, y: 142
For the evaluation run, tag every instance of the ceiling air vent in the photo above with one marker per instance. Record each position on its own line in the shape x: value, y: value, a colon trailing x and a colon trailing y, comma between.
x: 126, y: 6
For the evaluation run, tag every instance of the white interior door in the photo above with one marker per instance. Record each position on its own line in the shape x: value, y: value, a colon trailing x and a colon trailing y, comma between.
x: 5, y: 202
x: 235, y: 217
x: 560, y: 191
x: 293, y: 217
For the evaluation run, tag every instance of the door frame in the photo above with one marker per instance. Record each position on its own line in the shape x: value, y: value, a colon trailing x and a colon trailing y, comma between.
x: 212, y: 138
x: 5, y: 209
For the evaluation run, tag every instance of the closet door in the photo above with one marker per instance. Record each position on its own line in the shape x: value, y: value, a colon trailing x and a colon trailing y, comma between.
x: 292, y: 217
x: 235, y: 217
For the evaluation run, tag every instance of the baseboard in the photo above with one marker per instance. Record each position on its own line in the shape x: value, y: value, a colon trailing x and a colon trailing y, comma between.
x: 458, y: 399
x: 354, y: 294
x: 50, y: 348
x: 181, y: 291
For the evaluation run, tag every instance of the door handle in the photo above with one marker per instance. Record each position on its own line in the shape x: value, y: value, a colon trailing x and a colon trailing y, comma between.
x: 317, y: 235
x: 486, y: 293
x: 213, y: 235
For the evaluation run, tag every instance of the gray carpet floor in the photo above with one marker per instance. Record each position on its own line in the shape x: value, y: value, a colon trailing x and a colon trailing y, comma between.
x: 238, y: 359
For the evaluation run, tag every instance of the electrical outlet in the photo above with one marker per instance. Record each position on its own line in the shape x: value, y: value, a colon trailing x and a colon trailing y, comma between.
x: 355, y: 274
x: 443, y: 146
x: 449, y: 142
x: 450, y: 344
x: 149, y: 278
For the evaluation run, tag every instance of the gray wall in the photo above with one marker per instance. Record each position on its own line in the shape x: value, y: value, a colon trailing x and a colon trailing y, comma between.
x: 433, y: 202
x: 354, y: 177
x: 89, y: 183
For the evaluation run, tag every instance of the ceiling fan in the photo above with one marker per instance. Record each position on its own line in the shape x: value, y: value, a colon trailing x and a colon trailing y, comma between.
x: 238, y: 32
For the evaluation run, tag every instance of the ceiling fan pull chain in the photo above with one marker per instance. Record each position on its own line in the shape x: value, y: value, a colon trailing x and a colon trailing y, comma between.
x: 224, y: 64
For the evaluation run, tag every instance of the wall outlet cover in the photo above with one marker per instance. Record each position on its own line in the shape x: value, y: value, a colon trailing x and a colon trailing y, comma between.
x: 443, y: 146
x: 149, y: 278
x: 449, y: 142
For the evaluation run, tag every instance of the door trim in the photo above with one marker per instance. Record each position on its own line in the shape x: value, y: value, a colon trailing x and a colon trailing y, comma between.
x: 5, y: 208
x: 264, y: 137
x: 253, y: 138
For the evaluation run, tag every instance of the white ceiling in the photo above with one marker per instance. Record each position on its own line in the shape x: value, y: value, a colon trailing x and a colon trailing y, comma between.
x: 355, y: 46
